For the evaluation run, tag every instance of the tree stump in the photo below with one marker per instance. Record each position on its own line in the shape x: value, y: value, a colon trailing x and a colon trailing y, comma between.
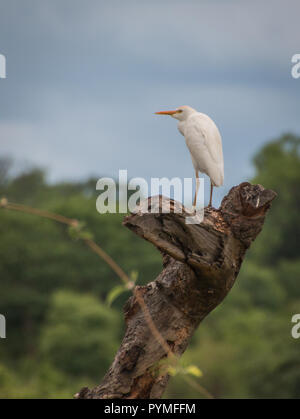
x: 200, y: 265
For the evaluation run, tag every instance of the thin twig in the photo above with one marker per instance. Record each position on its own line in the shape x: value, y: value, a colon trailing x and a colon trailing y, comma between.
x: 73, y: 223
x: 114, y: 266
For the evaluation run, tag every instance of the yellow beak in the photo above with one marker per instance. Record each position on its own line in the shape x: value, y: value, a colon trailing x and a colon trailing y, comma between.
x: 166, y: 113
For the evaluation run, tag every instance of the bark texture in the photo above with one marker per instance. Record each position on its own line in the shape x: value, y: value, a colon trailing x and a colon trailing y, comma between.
x: 200, y: 265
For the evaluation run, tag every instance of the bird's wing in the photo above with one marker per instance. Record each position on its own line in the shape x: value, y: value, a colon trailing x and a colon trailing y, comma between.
x: 204, y: 142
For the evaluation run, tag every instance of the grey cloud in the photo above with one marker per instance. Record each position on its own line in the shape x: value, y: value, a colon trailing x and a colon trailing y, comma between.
x: 84, y: 78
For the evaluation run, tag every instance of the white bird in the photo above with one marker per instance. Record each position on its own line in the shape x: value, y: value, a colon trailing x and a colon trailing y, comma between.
x: 204, y: 142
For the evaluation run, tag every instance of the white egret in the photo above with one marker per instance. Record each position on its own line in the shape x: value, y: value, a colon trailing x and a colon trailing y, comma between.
x: 204, y: 142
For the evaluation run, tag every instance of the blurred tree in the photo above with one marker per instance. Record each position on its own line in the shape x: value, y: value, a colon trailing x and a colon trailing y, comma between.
x: 278, y: 167
x: 80, y: 335
x: 5, y: 167
x: 27, y: 186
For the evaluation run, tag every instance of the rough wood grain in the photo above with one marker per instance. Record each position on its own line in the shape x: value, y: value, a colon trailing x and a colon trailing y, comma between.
x: 200, y: 265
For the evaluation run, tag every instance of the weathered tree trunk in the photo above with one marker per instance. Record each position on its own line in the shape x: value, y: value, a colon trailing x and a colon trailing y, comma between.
x: 200, y: 265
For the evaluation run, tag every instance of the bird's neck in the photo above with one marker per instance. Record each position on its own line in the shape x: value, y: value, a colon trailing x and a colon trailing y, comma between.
x: 180, y: 126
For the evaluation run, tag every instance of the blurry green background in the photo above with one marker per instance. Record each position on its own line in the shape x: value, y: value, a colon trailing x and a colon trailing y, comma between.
x: 61, y: 335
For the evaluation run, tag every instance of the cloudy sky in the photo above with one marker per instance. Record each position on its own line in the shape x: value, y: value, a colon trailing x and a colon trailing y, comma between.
x: 84, y: 78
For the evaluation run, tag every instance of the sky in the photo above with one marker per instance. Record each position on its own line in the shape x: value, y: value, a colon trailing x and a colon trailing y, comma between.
x: 84, y: 78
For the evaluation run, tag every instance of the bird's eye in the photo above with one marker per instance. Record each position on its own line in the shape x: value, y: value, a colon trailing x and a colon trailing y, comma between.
x: 179, y: 110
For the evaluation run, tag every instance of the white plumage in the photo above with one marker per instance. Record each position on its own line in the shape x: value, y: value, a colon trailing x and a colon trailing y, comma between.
x: 204, y: 142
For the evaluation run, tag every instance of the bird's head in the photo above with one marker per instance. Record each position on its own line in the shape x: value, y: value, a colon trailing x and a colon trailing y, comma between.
x: 181, y: 113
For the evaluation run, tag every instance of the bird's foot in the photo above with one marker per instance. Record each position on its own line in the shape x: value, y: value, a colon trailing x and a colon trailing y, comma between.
x: 209, y: 207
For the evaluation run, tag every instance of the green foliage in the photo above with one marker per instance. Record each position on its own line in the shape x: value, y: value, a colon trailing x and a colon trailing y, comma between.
x: 278, y: 168
x: 39, y: 259
x: 114, y: 293
x: 80, y: 334
x: 190, y: 369
x: 78, y: 231
x: 118, y: 290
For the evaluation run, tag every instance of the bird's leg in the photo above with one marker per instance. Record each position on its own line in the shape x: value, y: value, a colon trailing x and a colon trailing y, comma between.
x: 211, y: 192
x: 197, y: 187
